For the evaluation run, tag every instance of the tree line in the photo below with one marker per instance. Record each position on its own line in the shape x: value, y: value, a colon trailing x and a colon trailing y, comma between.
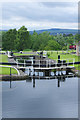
x: 21, y: 39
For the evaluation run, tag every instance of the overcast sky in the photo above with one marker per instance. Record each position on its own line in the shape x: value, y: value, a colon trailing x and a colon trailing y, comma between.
x: 40, y: 15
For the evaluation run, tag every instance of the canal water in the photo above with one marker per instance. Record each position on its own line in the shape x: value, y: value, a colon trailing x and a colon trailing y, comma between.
x: 40, y: 98
x: 45, y: 100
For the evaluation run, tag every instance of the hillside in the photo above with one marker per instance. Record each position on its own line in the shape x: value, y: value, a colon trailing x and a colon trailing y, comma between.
x: 54, y: 31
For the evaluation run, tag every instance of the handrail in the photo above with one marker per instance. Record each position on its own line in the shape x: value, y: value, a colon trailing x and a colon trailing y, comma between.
x: 11, y: 67
x: 55, y: 61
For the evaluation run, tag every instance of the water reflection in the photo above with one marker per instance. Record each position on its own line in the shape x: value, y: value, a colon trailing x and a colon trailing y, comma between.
x: 59, y: 78
x: 10, y: 83
x: 33, y: 83
x: 41, y: 96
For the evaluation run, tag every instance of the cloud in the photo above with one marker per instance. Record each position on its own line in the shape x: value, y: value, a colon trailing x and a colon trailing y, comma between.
x: 40, y: 1
x: 37, y: 13
x: 59, y: 4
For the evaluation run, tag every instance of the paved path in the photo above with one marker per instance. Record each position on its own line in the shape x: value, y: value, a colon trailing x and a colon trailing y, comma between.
x: 28, y: 53
x: 11, y: 60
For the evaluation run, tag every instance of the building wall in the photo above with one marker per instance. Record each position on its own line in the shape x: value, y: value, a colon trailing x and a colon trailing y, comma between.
x: 78, y: 50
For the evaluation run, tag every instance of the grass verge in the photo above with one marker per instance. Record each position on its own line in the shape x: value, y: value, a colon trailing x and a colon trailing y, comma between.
x: 6, y: 71
x: 68, y: 57
x: 3, y: 58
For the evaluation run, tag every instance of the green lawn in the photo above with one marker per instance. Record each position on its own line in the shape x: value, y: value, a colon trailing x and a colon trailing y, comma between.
x: 3, y: 58
x: 68, y: 57
x: 4, y: 70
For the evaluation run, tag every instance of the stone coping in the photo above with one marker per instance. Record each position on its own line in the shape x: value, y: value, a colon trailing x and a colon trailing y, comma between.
x: 13, y: 77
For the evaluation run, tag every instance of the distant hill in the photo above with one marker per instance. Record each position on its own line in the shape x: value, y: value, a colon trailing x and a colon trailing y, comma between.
x: 54, y: 31
x: 4, y: 30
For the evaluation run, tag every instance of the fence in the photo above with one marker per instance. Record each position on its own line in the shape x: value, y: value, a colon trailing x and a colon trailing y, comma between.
x: 46, y: 63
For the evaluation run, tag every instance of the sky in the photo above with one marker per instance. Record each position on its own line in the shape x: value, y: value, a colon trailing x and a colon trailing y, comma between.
x: 40, y: 15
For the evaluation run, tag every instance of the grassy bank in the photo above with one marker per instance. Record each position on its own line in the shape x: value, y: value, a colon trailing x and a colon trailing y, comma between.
x: 3, y: 58
x: 4, y: 70
x: 64, y: 56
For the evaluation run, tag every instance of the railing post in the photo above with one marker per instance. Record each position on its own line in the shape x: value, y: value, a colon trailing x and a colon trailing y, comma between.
x: 10, y: 71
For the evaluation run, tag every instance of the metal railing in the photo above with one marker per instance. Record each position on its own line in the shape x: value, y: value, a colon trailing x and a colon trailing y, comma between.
x: 46, y: 63
x: 11, y: 67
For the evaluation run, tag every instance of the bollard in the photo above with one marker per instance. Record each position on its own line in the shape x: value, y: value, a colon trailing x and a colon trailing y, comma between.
x: 59, y: 61
x: 58, y: 58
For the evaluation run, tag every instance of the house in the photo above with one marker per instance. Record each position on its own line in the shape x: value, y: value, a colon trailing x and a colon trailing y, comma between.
x: 72, y: 47
x: 78, y: 48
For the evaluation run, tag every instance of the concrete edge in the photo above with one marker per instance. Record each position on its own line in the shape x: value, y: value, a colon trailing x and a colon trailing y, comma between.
x: 13, y: 77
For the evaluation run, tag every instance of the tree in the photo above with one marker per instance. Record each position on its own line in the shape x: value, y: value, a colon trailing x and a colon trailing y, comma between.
x: 77, y: 37
x: 22, y: 39
x: 33, y: 39
x: 60, y: 39
x: 52, y: 45
x: 8, y: 39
